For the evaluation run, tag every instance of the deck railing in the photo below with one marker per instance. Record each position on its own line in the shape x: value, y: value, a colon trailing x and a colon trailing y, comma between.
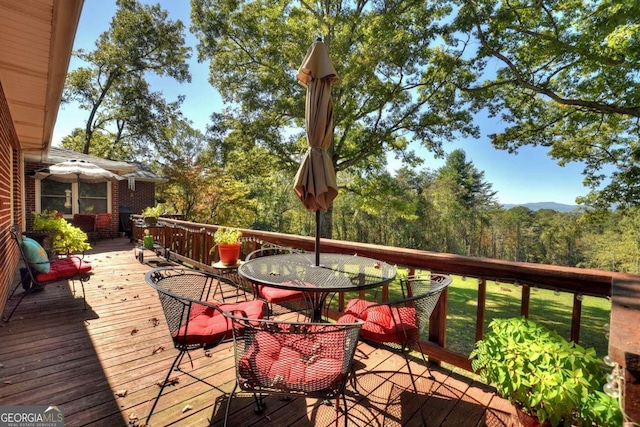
x: 191, y: 243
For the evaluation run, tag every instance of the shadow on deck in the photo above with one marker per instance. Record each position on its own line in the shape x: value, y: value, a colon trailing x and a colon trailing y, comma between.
x: 102, y: 365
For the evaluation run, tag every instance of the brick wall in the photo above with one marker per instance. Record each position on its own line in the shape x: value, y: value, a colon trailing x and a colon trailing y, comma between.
x: 30, y: 192
x: 144, y: 196
x: 9, y: 173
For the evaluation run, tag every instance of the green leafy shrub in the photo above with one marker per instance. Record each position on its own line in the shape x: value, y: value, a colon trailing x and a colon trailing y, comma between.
x: 538, y: 370
x: 153, y: 211
x: 226, y: 235
x: 65, y: 237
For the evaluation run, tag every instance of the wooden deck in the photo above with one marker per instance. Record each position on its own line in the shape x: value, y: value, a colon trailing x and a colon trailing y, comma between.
x: 102, y: 365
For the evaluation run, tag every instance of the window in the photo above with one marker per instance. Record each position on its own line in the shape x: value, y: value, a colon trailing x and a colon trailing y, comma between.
x: 71, y: 198
x: 93, y: 197
x: 55, y: 196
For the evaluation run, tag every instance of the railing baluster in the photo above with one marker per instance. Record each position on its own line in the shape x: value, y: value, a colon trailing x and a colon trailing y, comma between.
x: 481, y: 309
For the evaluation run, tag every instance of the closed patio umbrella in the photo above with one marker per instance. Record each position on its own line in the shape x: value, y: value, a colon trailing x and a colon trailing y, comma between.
x: 77, y: 171
x: 315, y: 183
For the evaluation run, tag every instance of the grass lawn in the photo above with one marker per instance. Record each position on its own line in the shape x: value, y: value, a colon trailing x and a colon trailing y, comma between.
x: 552, y: 309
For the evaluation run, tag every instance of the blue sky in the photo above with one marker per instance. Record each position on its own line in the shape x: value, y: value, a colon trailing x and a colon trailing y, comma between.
x: 530, y: 176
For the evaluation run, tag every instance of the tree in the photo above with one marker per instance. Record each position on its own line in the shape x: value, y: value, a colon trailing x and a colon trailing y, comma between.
x: 198, y: 187
x: 464, y: 198
x: 101, y: 145
x: 563, y: 74
x: 397, y: 82
x: 113, y: 87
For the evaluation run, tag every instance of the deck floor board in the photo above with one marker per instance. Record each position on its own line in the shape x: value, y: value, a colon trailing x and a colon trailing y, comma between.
x: 55, y: 353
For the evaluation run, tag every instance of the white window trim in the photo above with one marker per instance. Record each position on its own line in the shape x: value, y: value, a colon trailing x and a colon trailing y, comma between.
x: 74, y: 198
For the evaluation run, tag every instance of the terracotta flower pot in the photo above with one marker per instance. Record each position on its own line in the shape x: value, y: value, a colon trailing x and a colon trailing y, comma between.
x: 527, y: 420
x: 150, y: 220
x: 229, y: 253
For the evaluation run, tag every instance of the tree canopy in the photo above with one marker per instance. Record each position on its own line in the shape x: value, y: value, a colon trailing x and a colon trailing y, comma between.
x: 564, y: 74
x: 112, y: 87
x: 396, y: 83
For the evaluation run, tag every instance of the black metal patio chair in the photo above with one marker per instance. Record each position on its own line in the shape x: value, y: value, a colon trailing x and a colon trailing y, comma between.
x: 194, y: 319
x: 279, y: 301
x: 39, y: 270
x: 399, y: 325
x: 292, y: 359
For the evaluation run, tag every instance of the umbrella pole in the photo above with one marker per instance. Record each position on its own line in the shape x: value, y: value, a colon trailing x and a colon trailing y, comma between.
x: 317, y: 238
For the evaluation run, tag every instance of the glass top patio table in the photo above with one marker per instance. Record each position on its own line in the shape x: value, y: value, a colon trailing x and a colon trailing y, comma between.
x: 336, y: 273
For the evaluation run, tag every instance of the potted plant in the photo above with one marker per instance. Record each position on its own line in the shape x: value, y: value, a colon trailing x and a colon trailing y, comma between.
x: 147, y: 240
x: 152, y: 213
x: 65, y: 238
x: 548, y: 379
x: 227, y: 241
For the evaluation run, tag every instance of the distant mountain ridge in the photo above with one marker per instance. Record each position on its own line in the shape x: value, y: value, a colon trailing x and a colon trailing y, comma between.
x: 558, y: 207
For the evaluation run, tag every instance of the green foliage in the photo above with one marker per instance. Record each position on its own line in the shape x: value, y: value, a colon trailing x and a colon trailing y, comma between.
x: 153, y: 211
x: 226, y: 235
x: 396, y: 81
x: 102, y: 145
x: 546, y: 375
x: 66, y: 238
x: 563, y: 74
x: 112, y: 87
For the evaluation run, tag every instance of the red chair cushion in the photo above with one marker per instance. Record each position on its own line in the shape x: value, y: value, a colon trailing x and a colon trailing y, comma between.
x: 65, y: 268
x: 294, y: 362
x: 383, y: 323
x: 208, y: 326
x: 276, y: 295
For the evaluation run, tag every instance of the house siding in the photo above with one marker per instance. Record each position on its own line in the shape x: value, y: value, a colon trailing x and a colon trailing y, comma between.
x: 10, y: 198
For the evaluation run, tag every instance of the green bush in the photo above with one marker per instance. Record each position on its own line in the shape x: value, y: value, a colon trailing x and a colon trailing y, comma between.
x: 65, y: 237
x: 226, y: 235
x: 538, y: 370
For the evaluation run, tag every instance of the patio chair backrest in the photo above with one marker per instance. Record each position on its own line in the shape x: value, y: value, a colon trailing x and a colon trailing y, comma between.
x: 425, y: 291
x: 177, y: 289
x: 268, y: 249
x: 293, y: 358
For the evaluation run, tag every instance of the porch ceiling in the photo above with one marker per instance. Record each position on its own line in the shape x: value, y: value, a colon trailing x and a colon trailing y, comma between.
x: 36, y: 40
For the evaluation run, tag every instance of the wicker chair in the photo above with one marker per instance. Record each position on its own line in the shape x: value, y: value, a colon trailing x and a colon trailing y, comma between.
x: 41, y: 271
x: 399, y: 325
x: 292, y: 359
x: 279, y: 301
x: 195, y: 321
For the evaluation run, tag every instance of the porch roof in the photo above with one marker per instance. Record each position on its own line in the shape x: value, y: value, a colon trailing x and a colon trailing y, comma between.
x: 36, y: 41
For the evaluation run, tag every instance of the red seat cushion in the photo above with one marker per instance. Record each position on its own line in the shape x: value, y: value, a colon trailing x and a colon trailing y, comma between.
x: 208, y: 326
x: 276, y: 295
x: 65, y: 268
x: 294, y: 362
x: 383, y: 323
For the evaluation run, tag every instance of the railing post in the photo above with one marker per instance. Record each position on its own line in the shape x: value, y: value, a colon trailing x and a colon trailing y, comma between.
x: 438, y: 321
x: 525, y: 300
x: 480, y: 313
x: 575, y: 318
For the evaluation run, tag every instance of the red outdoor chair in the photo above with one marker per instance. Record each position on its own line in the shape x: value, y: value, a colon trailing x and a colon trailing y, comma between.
x: 102, y: 225
x: 85, y: 222
x: 194, y: 318
x: 279, y: 301
x: 292, y: 359
x: 40, y: 271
